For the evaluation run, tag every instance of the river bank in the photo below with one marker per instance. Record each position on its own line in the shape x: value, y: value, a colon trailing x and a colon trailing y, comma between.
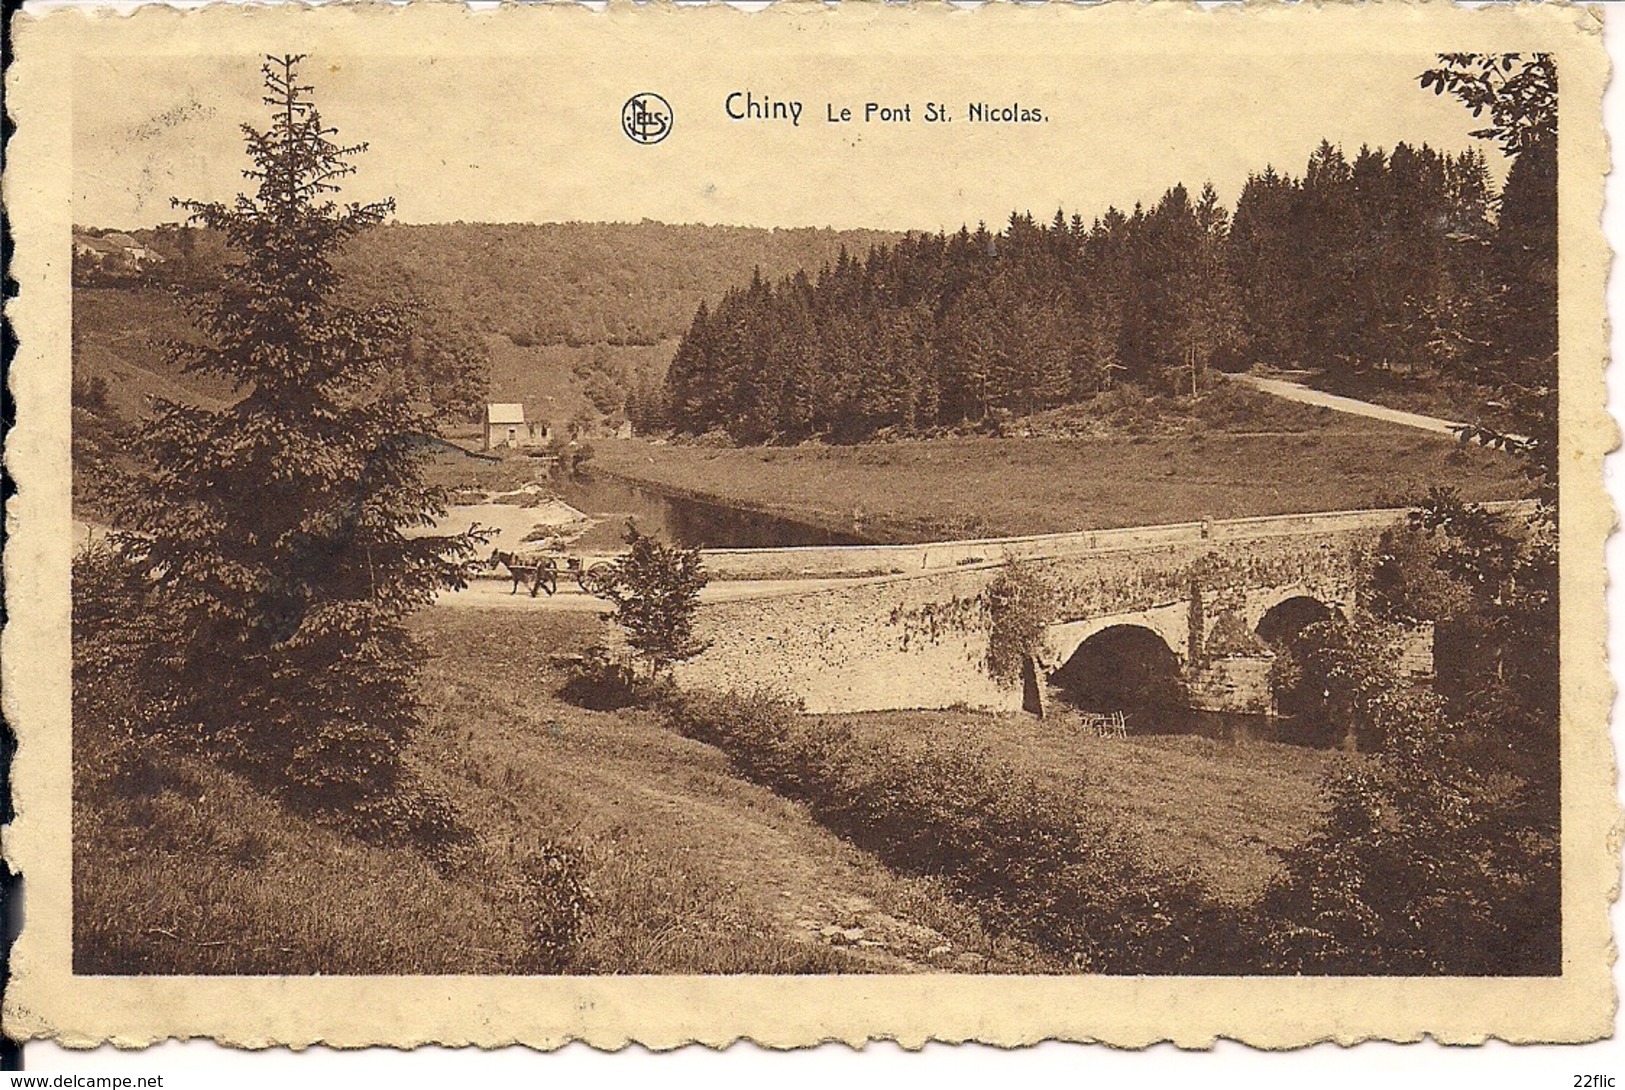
x: 972, y: 487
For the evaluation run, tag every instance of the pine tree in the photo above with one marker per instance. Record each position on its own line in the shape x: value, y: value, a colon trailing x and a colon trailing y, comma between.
x: 285, y: 530
x: 1519, y: 91
x: 1266, y: 263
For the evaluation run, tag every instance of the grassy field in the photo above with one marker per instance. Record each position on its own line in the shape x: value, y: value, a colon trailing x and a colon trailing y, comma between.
x: 206, y: 875
x: 1217, y: 807
x: 970, y: 486
x: 689, y: 867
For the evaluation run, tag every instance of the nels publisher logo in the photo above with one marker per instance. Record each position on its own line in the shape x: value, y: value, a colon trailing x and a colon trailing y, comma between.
x: 646, y: 118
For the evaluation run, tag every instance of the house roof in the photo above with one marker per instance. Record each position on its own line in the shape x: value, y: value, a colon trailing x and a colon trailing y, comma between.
x: 124, y: 240
x: 98, y: 245
x: 504, y: 413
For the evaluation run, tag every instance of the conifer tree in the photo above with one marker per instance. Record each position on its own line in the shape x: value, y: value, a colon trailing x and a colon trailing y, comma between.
x: 286, y: 530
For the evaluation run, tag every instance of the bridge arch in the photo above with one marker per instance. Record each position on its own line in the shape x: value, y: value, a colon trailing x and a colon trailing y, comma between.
x: 1283, y: 615
x: 1170, y: 621
x: 1122, y: 667
x: 1279, y: 626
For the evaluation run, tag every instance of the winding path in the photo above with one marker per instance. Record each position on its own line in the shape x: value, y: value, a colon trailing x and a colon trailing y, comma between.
x: 1296, y: 391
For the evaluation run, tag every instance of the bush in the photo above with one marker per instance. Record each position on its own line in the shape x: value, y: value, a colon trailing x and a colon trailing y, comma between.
x: 1025, y: 854
x: 121, y: 710
x: 554, y: 898
x: 1020, y: 603
x: 1420, y: 866
x: 656, y: 590
x: 604, y: 682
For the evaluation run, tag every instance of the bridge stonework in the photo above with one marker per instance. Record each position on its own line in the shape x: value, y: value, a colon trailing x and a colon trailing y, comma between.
x: 919, y: 639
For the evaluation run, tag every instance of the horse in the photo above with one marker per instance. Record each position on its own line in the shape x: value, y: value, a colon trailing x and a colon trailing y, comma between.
x: 541, y: 573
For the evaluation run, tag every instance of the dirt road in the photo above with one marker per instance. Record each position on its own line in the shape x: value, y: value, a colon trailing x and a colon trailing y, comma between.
x: 494, y: 594
x: 1293, y: 391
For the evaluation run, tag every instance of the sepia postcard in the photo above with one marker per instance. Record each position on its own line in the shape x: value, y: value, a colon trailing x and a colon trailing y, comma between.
x: 674, y: 525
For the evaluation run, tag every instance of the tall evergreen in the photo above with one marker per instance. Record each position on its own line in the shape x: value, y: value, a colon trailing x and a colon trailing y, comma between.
x: 1519, y: 92
x: 1391, y: 261
x: 284, y: 533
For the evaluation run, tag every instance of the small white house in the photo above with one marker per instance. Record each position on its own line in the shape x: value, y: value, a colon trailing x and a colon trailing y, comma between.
x: 505, y: 426
x: 101, y: 250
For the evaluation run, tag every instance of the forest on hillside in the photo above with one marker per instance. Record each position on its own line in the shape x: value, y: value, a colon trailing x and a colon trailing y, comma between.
x: 536, y: 283
x: 585, y: 313
x: 1408, y: 260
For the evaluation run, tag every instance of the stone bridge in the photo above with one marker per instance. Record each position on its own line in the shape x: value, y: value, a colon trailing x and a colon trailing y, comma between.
x: 1193, y: 607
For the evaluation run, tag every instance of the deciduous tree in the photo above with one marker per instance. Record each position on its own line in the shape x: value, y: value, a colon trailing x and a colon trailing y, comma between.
x: 656, y: 590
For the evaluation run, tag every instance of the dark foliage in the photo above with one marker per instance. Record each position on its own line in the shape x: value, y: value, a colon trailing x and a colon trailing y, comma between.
x: 1519, y: 91
x: 602, y: 681
x: 656, y: 589
x: 1020, y: 603
x: 1442, y: 855
x: 275, y: 530
x: 1371, y: 265
x: 554, y: 898
x: 1422, y: 866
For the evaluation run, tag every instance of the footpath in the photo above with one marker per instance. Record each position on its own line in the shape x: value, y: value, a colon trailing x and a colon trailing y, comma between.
x: 1296, y: 391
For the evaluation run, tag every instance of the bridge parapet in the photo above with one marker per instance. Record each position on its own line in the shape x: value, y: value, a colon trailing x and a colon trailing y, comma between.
x: 875, y: 561
x: 918, y: 638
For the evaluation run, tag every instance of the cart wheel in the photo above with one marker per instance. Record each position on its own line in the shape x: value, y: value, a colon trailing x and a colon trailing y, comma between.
x: 596, y: 579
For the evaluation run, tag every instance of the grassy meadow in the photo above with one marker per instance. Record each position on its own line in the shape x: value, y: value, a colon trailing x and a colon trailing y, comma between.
x: 983, y: 486
x: 1220, y: 808
x: 689, y: 864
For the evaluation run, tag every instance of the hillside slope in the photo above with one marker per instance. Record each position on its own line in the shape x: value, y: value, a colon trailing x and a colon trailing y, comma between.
x: 574, y: 314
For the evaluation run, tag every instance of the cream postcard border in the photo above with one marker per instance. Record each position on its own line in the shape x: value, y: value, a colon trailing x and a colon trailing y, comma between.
x: 46, y: 1000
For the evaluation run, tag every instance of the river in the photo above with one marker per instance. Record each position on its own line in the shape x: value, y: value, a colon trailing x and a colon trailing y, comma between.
x: 1235, y: 727
x: 682, y: 520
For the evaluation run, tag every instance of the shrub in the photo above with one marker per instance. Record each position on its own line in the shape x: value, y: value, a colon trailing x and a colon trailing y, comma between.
x: 604, y: 682
x: 715, y: 438
x: 1025, y: 854
x: 121, y: 708
x: 554, y: 898
x: 656, y: 589
x: 1020, y: 603
x: 1420, y: 866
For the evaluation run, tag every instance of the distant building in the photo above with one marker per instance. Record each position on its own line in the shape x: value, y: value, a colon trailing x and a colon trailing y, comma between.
x: 505, y: 426
x: 116, y: 248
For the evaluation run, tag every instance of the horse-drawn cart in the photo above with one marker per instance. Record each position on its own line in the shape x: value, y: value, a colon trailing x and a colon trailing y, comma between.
x: 540, y: 571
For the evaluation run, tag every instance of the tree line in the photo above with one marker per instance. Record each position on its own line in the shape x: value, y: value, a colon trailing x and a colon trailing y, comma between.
x: 1403, y: 260
x: 621, y: 284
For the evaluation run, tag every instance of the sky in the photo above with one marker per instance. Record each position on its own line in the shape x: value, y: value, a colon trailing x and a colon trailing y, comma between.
x: 536, y: 138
